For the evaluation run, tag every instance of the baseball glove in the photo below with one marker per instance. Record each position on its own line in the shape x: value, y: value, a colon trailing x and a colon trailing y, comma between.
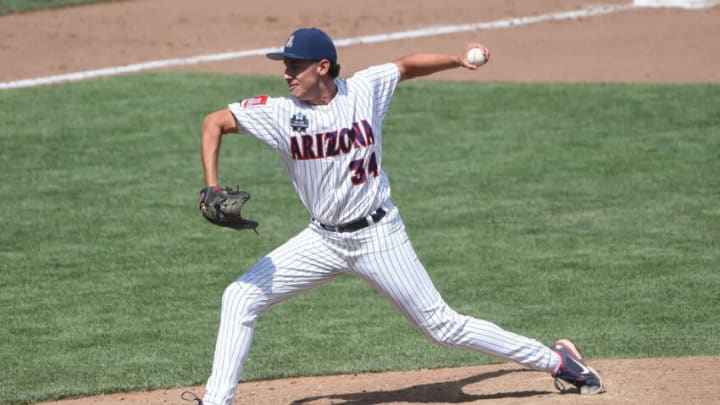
x: 223, y: 207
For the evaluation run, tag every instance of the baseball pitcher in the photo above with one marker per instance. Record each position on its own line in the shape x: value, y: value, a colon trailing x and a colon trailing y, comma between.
x: 329, y: 134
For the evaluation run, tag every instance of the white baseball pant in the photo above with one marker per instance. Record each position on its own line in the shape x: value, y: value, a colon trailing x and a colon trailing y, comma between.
x: 383, y: 256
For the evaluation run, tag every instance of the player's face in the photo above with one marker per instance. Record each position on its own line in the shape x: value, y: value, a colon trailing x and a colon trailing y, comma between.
x: 303, y: 79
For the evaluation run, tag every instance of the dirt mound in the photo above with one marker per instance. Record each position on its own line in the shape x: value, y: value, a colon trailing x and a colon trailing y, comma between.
x: 637, y: 382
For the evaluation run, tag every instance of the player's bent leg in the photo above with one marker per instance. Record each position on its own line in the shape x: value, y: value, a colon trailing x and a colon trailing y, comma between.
x: 280, y: 275
x: 405, y: 282
x: 398, y: 274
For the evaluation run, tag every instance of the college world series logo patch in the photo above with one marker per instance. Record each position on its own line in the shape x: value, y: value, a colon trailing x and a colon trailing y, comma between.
x: 299, y: 122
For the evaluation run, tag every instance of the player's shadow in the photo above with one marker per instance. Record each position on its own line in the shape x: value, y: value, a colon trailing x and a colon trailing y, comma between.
x: 444, y: 392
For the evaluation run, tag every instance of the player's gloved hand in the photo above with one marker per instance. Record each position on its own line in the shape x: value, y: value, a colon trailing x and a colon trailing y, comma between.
x: 222, y: 206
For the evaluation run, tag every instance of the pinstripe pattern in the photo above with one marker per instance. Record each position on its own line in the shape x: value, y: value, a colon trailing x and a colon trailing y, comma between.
x: 298, y: 265
x: 381, y: 254
x: 323, y: 184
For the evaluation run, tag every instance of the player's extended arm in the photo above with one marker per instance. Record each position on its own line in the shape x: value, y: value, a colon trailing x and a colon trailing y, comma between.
x: 424, y: 64
x: 214, y: 127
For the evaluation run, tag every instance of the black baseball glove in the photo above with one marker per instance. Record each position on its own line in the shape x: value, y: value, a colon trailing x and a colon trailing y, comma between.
x: 223, y: 207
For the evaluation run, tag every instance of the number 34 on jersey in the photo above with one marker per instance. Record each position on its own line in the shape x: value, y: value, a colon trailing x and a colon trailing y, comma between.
x: 339, y: 142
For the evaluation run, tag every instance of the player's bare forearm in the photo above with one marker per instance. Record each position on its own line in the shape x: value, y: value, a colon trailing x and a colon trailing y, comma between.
x: 210, y: 153
x: 424, y: 64
x: 214, y: 127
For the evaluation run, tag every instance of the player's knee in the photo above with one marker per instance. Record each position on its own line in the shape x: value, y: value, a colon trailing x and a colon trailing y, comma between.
x: 240, y: 297
x: 439, y: 335
x: 231, y: 294
x: 443, y: 330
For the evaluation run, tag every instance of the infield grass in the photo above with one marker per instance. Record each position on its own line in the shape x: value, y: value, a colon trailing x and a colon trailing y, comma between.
x: 586, y: 211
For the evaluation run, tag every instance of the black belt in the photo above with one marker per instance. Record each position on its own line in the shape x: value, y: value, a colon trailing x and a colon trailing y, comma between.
x: 356, y: 225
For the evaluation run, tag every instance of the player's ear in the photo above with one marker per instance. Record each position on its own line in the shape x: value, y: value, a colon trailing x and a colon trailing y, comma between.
x: 324, y: 67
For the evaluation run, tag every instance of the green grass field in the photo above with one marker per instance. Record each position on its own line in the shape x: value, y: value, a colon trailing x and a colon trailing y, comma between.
x: 587, y: 211
x: 19, y: 6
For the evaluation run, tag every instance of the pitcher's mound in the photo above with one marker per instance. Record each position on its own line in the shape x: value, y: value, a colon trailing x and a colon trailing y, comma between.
x: 637, y: 382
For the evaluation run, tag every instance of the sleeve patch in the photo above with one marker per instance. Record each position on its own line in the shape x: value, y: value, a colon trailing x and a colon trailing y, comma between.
x: 254, y: 101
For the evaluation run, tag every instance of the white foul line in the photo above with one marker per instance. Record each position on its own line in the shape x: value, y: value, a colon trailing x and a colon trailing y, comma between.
x: 425, y: 32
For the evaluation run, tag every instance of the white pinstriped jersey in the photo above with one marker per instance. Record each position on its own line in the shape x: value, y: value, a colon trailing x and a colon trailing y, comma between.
x: 333, y: 153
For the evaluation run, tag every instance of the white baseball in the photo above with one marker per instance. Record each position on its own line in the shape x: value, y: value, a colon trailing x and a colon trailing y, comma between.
x: 476, y: 56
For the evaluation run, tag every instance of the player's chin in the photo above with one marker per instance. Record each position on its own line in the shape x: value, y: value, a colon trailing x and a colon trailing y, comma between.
x: 296, y: 92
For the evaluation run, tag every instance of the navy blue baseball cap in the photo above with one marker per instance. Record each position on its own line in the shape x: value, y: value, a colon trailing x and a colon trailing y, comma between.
x: 307, y: 44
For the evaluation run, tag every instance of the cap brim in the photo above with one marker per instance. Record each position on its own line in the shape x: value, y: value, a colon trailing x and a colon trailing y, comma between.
x: 276, y: 55
x: 289, y: 55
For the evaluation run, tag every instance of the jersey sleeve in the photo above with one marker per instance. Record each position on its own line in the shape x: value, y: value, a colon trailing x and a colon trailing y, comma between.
x: 382, y: 80
x: 257, y: 116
